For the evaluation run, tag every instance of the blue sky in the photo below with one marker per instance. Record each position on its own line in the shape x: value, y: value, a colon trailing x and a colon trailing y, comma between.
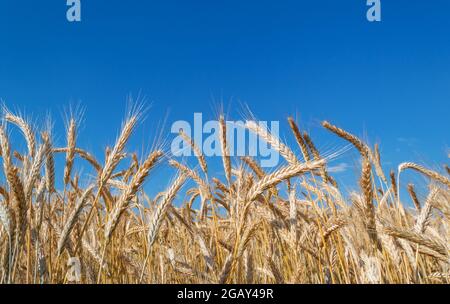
x: 386, y: 81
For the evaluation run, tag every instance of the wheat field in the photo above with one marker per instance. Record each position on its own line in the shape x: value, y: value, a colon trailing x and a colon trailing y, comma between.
x: 293, y: 224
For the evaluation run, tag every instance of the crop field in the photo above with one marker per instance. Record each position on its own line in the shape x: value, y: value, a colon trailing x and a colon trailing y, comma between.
x: 245, y: 224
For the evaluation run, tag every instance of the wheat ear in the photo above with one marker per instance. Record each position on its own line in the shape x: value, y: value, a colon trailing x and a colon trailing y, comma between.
x: 316, y: 156
x: 284, y: 151
x: 5, y: 217
x: 300, y: 140
x: 204, y: 188
x: 70, y: 222
x: 369, y: 209
x: 26, y: 130
x: 224, y: 148
x: 49, y: 163
x: 197, y: 151
x: 360, y: 146
x: 6, y: 151
x: 424, y: 217
x: 35, y: 170
x: 127, y: 195
x: 162, y: 208
x: 20, y: 206
x: 70, y: 156
x: 115, y: 155
x: 284, y: 173
x: 414, y: 198
x: 83, y: 154
x: 427, y: 172
x: 112, y: 160
x: 254, y: 166
x: 415, y: 238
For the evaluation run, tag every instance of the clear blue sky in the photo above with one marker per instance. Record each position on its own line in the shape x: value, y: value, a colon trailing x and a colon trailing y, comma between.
x: 316, y: 59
